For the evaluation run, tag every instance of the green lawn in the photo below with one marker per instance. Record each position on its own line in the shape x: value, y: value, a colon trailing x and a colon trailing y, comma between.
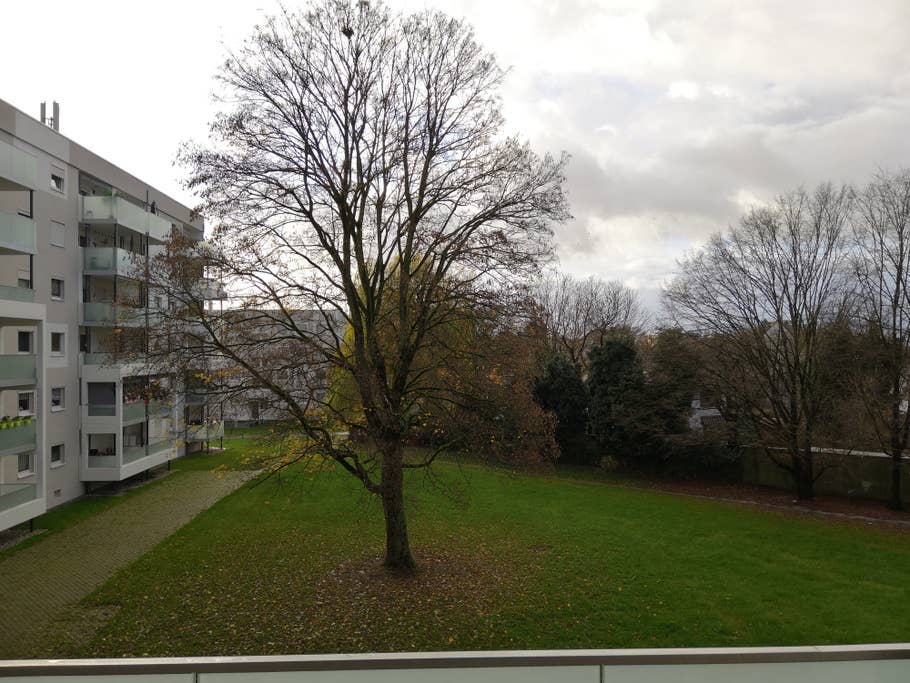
x: 508, y: 561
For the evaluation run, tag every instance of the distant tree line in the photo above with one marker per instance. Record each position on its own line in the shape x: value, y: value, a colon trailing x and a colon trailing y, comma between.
x: 794, y: 324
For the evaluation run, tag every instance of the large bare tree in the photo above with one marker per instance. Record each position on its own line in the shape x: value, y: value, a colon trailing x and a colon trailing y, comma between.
x: 882, y: 270
x: 759, y: 298
x: 359, y: 167
x: 579, y: 314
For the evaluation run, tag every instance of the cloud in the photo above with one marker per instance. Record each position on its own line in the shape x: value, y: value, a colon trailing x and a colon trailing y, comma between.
x: 678, y: 115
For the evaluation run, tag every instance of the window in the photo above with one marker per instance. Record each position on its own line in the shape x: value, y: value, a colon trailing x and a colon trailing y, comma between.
x: 57, y: 458
x: 26, y: 403
x: 25, y: 464
x: 24, y: 279
x: 57, y: 343
x: 56, y: 289
x: 25, y: 341
x: 58, y: 234
x: 57, y: 180
x: 57, y: 399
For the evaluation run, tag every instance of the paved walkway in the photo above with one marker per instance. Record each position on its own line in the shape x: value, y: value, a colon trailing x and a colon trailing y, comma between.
x: 41, y: 581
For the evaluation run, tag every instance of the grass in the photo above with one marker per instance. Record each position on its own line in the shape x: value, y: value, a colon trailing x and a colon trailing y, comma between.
x: 509, y: 561
x: 70, y: 513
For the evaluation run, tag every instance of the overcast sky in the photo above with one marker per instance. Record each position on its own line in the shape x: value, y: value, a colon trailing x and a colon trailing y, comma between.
x: 678, y: 115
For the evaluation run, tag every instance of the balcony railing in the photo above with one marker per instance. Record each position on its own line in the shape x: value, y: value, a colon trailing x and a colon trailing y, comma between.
x: 206, y: 432
x: 17, y: 370
x: 12, y: 495
x: 102, y: 409
x: 17, y: 233
x: 17, y: 294
x: 159, y: 408
x: 21, y: 437
x: 159, y: 446
x: 134, y: 411
x: 123, y: 212
x: 113, y: 261
x: 18, y: 167
x: 133, y: 453
x: 888, y: 662
x: 210, y: 288
x: 106, y: 358
x: 114, y: 315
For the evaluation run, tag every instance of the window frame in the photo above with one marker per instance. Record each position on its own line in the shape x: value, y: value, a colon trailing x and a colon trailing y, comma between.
x: 62, y: 351
x: 22, y: 474
x: 62, y: 406
x: 62, y: 295
x: 62, y: 461
x: 31, y: 342
x: 31, y: 411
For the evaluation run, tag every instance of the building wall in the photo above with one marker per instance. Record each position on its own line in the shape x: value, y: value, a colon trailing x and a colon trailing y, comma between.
x: 56, y: 154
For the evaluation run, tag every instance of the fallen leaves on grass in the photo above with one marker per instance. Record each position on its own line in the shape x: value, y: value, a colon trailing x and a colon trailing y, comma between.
x: 451, y: 601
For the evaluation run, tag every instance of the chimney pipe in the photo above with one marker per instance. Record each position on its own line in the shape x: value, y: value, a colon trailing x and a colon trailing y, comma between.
x: 44, y: 112
x: 56, y: 118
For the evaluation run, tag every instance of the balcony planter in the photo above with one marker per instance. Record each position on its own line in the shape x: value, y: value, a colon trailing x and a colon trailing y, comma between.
x: 13, y: 422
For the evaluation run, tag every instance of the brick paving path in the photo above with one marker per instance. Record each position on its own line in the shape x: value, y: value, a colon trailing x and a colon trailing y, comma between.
x: 38, y: 583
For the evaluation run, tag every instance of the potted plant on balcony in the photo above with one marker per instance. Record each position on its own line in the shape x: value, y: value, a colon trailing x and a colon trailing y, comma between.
x: 4, y: 422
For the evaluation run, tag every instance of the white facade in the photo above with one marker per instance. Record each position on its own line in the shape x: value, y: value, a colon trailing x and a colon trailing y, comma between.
x: 73, y: 319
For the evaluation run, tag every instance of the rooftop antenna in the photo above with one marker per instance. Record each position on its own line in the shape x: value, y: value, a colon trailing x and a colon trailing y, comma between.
x: 53, y: 121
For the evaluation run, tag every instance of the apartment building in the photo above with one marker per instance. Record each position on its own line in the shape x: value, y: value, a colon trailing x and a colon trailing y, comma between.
x: 78, y: 406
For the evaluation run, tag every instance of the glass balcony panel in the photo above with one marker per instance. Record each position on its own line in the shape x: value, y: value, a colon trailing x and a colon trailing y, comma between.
x: 133, y: 411
x: 158, y: 408
x: 21, y: 436
x: 12, y: 495
x: 18, y: 167
x: 207, y: 432
x: 17, y: 294
x: 112, y: 260
x: 102, y: 461
x: 158, y: 446
x: 98, y: 312
x: 17, y: 233
x: 124, y: 212
x: 133, y: 453
x: 17, y: 368
x: 102, y: 409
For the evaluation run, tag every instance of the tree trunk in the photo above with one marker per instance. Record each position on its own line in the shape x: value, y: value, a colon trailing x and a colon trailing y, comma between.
x: 895, y: 501
x: 397, y: 547
x: 804, y: 476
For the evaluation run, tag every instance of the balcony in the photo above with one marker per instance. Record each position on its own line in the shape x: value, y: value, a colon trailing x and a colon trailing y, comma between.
x: 113, y: 261
x: 210, y: 288
x: 157, y: 447
x: 17, y: 370
x: 17, y: 294
x: 107, y: 314
x: 18, y: 170
x: 19, y: 438
x: 13, y: 495
x: 134, y: 411
x: 101, y: 409
x: 208, y: 432
x: 159, y: 408
x: 807, y: 664
x: 118, y: 210
x: 133, y: 453
x: 17, y: 234
x: 20, y: 502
